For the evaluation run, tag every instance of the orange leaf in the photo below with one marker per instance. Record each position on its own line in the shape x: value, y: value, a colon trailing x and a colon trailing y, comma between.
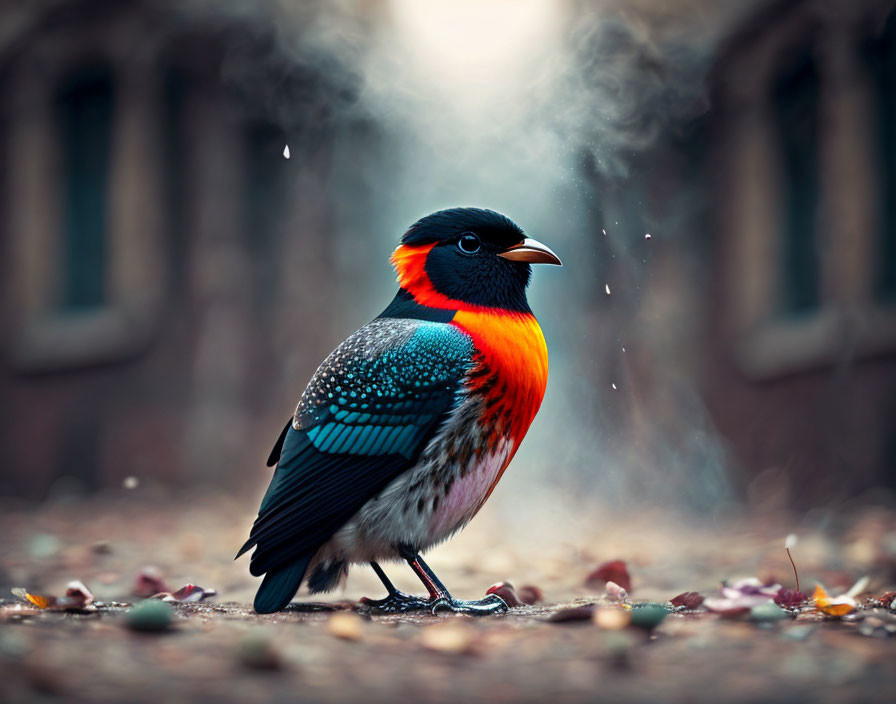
x: 41, y: 602
x: 841, y: 606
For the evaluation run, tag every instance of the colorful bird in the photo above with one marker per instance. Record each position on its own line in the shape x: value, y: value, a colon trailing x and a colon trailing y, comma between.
x: 406, y: 428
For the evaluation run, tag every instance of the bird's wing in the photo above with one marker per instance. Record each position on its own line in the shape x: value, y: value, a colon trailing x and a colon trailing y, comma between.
x: 366, y: 415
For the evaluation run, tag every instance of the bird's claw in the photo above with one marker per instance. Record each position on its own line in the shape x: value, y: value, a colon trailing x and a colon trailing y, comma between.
x: 400, y: 603
x: 491, y: 604
x: 395, y: 603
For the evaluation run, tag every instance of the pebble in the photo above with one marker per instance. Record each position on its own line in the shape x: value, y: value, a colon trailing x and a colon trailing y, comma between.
x: 450, y: 637
x: 345, y: 625
x: 530, y: 594
x: 150, y: 616
x: 612, y: 619
x: 767, y: 613
x: 648, y: 616
x: 506, y: 591
x: 256, y: 651
x: 573, y: 614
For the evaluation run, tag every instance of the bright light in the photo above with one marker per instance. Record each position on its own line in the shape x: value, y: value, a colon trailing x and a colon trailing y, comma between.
x: 474, y: 41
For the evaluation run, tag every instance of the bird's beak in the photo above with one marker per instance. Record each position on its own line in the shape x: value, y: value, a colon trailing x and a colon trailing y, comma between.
x: 531, y: 251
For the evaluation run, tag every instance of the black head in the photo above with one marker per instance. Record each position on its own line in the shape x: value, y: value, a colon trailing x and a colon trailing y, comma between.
x: 478, y: 256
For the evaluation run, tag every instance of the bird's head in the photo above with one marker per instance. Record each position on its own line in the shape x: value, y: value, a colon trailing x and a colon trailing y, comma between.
x: 466, y: 258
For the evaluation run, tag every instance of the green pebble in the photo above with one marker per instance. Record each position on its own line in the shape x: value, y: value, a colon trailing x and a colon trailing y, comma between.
x: 768, y: 612
x: 648, y: 616
x: 149, y: 616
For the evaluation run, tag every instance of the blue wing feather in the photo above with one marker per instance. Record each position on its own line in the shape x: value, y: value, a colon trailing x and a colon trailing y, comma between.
x: 366, y: 415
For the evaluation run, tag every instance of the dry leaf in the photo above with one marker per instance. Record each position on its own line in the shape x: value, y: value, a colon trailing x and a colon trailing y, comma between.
x: 838, y: 606
x: 689, y: 600
x: 612, y: 571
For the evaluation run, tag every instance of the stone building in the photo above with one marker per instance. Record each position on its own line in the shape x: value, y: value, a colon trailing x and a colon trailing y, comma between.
x: 803, y: 212
x: 155, y: 239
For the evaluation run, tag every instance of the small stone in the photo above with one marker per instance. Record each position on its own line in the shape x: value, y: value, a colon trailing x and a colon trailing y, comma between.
x: 530, y: 594
x: 767, y: 613
x: 506, y: 591
x: 256, y: 651
x: 150, y: 616
x: 615, y: 592
x: 648, y: 616
x: 612, y: 619
x: 345, y: 625
x: 573, y: 615
x: 451, y: 637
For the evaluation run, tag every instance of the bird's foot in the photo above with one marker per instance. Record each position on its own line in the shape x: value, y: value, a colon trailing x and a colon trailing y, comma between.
x: 400, y: 603
x: 396, y: 603
x: 491, y: 604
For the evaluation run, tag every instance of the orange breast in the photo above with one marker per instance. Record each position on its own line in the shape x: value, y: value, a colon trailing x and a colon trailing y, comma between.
x: 511, y: 372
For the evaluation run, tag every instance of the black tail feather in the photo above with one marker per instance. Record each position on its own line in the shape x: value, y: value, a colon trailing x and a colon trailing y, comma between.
x: 280, y: 586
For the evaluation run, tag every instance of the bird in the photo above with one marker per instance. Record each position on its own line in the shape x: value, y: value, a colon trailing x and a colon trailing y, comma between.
x: 406, y: 427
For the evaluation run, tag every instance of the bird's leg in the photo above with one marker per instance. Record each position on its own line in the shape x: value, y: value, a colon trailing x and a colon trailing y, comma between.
x: 397, y: 602
x: 441, y: 599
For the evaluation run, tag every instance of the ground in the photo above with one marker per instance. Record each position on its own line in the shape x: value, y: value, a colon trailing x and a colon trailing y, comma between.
x: 220, y: 650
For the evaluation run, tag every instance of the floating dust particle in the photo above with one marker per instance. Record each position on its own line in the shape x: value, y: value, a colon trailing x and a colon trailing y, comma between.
x: 647, y: 236
x: 130, y: 483
x: 286, y: 152
x: 607, y: 288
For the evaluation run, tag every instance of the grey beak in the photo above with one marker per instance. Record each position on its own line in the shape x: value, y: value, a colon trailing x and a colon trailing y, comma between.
x: 531, y: 251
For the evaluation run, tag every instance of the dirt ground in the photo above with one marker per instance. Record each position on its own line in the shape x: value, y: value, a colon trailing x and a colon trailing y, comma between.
x: 220, y: 650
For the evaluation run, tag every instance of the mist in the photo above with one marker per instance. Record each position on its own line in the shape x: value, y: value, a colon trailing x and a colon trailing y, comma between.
x: 552, y: 114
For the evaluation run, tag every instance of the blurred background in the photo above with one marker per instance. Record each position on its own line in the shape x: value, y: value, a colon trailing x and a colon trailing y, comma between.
x: 719, y: 179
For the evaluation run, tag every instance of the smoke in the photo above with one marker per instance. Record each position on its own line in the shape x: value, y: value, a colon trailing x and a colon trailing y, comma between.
x: 564, y: 117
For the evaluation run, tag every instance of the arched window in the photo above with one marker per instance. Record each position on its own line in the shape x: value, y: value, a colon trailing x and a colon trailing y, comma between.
x: 83, y: 110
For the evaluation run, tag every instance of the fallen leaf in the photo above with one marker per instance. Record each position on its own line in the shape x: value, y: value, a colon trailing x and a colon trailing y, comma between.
x: 689, y: 600
x: 190, y: 593
x: 886, y: 600
x: 749, y: 586
x: 148, y: 583
x: 612, y: 571
x: 837, y: 606
x: 41, y: 602
x: 789, y: 598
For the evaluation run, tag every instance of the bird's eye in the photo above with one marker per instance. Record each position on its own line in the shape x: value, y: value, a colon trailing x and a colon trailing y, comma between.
x: 468, y: 243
